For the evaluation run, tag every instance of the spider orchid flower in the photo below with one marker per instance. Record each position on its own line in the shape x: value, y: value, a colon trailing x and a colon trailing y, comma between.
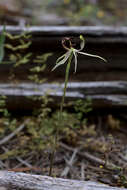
x: 72, y: 51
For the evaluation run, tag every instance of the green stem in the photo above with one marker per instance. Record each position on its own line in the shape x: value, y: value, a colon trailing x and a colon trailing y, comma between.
x: 60, y: 114
x: 65, y: 83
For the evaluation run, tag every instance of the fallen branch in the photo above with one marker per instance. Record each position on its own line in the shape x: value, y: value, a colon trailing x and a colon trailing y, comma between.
x: 90, y: 157
x: 22, y: 181
x: 69, y: 163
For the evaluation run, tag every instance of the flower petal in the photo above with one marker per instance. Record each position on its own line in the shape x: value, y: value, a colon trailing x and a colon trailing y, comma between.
x: 82, y: 43
x: 60, y: 58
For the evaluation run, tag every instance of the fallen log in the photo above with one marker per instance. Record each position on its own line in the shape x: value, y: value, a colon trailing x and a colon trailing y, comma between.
x: 22, y: 181
x: 102, y: 94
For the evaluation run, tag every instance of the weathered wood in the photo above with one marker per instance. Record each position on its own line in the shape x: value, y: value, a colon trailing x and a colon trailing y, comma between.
x: 13, y: 180
x: 97, y: 72
x: 84, y: 88
x: 102, y: 94
x: 109, y: 42
x: 92, y: 31
x: 48, y: 38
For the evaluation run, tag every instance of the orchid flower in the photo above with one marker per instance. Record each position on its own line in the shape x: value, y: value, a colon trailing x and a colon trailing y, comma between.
x: 72, y: 51
x: 67, y: 57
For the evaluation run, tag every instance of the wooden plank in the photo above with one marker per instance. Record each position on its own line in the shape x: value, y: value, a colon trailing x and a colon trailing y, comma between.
x: 13, y: 180
x: 102, y: 94
x: 45, y: 35
x: 84, y: 88
x: 108, y: 42
x: 71, y: 30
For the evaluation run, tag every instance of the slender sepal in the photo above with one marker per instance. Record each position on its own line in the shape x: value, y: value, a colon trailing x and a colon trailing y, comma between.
x: 61, y: 62
x: 75, y: 59
x: 91, y: 55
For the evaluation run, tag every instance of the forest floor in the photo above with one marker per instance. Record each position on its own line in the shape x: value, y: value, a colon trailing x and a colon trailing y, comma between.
x: 94, y: 151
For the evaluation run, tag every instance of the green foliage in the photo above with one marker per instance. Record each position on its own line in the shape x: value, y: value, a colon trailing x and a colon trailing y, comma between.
x: 44, y: 110
x: 43, y: 128
x: 17, y: 48
x: 24, y: 35
x: 40, y: 67
x: 82, y: 107
x: 3, y: 108
x: 19, y: 44
x: 2, y: 41
x: 39, y: 132
x: 18, y: 54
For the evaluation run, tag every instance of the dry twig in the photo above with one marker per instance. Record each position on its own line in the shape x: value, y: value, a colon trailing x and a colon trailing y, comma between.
x: 82, y: 171
x: 10, y: 136
x: 69, y: 163
x: 89, y: 157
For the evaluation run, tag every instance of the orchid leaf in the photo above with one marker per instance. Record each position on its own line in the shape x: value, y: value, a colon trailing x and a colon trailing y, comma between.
x: 2, y: 40
x: 91, y: 55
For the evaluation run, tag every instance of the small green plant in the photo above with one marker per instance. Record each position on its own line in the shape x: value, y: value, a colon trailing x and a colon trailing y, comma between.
x: 18, y: 54
x: 40, y: 67
x: 82, y: 107
x: 17, y: 49
x: 68, y: 57
x: 3, y: 108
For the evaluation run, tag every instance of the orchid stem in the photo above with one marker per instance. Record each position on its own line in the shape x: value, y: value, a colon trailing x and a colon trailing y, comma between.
x: 60, y: 114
